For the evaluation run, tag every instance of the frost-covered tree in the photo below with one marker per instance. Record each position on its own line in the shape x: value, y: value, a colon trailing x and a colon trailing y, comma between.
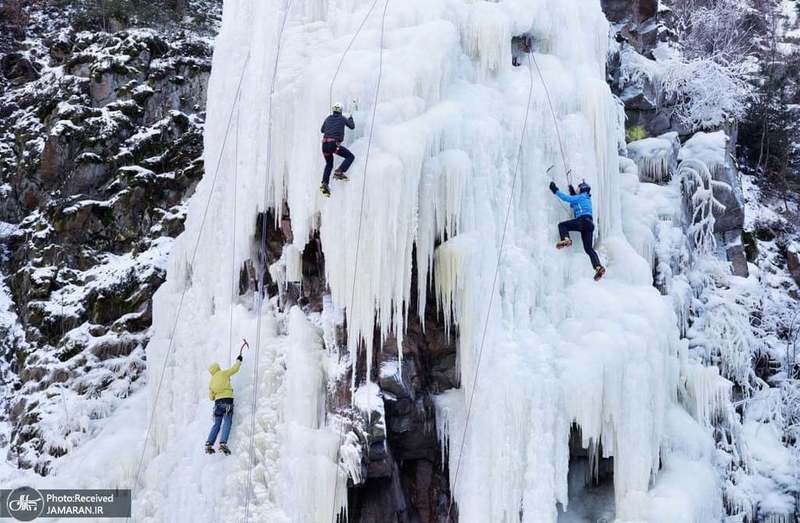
x: 13, y: 17
x: 111, y: 15
x: 706, y: 93
x: 721, y: 30
x: 707, y: 82
x: 770, y: 133
x: 697, y: 185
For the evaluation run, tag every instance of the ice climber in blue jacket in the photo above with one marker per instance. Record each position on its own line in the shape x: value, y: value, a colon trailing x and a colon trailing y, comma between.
x: 581, y: 203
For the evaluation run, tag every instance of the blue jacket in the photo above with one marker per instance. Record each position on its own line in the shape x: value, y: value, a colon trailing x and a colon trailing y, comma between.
x: 581, y: 203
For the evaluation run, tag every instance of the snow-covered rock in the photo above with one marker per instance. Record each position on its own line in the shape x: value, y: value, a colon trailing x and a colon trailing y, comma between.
x: 714, y: 151
x: 97, y: 151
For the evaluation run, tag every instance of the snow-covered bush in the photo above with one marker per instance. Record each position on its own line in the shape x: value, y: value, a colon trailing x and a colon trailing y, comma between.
x: 112, y: 15
x: 718, y: 29
x: 703, y: 78
x: 705, y: 93
x: 708, y: 83
x: 722, y: 332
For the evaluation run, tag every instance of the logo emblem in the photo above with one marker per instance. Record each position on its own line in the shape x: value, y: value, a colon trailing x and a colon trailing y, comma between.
x: 25, y: 504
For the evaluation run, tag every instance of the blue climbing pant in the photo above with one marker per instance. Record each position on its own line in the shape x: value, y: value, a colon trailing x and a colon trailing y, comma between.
x: 223, y: 415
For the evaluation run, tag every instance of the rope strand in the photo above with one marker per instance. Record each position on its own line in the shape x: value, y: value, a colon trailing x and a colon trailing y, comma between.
x: 361, y: 217
x: 567, y: 171
x: 186, y: 287
x: 491, y: 294
x: 347, y: 50
x: 263, y: 252
x: 233, y: 229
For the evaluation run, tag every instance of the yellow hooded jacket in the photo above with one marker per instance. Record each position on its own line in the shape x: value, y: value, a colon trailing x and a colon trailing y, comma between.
x: 220, y: 385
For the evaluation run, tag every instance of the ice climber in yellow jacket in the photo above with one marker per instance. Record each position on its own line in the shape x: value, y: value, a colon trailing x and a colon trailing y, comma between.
x: 220, y: 392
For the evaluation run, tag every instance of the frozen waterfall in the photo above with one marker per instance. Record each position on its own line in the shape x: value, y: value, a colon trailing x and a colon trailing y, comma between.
x: 559, y: 349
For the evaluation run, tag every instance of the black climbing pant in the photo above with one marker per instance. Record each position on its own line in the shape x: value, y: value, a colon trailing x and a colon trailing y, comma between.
x: 585, y: 226
x: 328, y: 150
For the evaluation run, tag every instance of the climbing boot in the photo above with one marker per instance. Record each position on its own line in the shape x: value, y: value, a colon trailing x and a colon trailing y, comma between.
x: 338, y: 174
x: 564, y: 243
x: 209, y: 448
x: 223, y: 447
x: 599, y: 272
x: 325, y: 190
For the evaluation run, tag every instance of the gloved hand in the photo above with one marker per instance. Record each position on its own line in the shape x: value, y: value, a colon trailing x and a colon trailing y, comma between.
x: 572, y: 190
x: 553, y: 187
x: 239, y: 357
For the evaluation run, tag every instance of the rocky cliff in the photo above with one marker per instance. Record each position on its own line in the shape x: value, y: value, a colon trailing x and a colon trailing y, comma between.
x: 100, y: 145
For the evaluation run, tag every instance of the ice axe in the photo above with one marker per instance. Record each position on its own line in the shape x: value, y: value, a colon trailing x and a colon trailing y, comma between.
x: 550, y: 170
x: 245, y: 345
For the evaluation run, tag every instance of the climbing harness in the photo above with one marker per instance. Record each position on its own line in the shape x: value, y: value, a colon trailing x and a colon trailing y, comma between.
x: 330, y: 140
x: 186, y: 287
x: 491, y: 294
x: 260, y: 298
x: 361, y: 209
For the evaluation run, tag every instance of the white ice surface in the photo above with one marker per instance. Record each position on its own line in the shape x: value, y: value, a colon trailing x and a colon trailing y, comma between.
x: 559, y: 347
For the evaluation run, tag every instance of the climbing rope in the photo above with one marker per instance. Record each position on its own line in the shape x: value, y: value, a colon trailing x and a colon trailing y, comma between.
x: 491, y: 294
x: 347, y: 50
x: 186, y: 287
x: 261, y: 290
x: 567, y: 171
x: 360, y: 215
x: 233, y: 228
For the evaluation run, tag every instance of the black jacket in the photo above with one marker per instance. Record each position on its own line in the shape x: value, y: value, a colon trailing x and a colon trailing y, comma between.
x: 333, y: 126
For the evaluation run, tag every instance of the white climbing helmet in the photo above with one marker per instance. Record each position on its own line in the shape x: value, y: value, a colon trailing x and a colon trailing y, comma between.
x: 337, y: 107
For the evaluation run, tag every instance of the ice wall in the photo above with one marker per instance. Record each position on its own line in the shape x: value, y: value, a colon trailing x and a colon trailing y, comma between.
x: 559, y: 348
x: 283, y: 466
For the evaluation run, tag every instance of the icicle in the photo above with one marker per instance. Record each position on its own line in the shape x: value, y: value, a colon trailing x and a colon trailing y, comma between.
x: 554, y: 348
x: 708, y: 393
x: 657, y: 158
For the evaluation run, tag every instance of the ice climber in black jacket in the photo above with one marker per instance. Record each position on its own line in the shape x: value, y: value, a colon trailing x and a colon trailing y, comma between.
x: 332, y: 138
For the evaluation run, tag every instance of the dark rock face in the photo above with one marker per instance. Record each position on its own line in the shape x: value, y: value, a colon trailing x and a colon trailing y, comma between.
x: 793, y: 262
x: 733, y: 216
x: 638, y: 27
x: 19, y: 69
x: 636, y: 22
x: 96, y: 161
x: 636, y: 10
x: 407, y: 480
x: 729, y: 224
x: 404, y: 478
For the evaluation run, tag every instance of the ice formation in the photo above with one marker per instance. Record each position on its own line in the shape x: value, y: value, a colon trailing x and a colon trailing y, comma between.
x: 656, y: 158
x: 559, y: 349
